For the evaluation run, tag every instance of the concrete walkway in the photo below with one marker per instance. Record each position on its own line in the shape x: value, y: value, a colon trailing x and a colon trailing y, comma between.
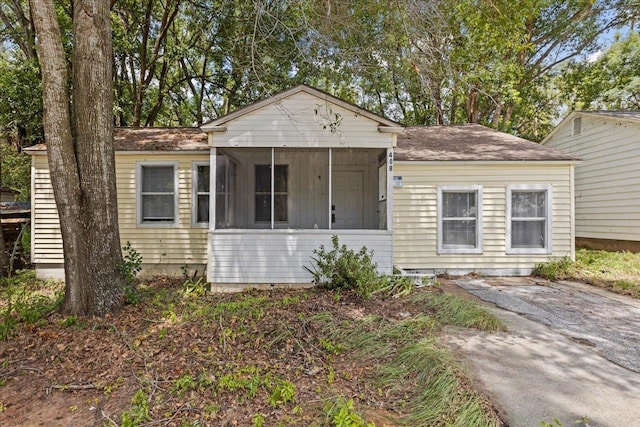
x: 552, y: 364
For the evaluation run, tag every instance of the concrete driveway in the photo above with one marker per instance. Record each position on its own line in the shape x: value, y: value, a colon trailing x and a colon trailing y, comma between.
x: 571, y: 352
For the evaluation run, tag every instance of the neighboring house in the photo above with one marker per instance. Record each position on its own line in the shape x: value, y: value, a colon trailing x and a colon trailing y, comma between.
x: 291, y: 171
x: 607, y: 181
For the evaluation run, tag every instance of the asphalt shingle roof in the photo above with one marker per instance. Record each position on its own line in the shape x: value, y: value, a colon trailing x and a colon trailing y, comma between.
x: 469, y: 142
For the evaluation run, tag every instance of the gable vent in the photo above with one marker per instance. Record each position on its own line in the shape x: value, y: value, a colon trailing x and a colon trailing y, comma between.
x: 577, y: 126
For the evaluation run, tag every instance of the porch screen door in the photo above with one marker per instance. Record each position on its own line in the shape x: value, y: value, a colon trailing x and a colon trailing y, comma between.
x: 348, y: 199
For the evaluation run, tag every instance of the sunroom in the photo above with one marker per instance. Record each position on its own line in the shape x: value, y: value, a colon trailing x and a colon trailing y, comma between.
x: 289, y: 173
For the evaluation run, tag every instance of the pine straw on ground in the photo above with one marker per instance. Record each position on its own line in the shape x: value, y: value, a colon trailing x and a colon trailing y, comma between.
x: 182, y: 357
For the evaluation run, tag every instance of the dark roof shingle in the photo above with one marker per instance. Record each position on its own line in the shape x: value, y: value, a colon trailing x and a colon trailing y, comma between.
x: 469, y: 142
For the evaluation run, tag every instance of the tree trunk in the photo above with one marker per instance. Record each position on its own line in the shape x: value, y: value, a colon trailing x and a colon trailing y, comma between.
x: 82, y: 165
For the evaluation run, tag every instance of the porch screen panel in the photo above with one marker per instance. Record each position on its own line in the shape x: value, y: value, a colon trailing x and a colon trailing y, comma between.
x: 263, y: 194
x: 355, y: 189
x: 225, y: 192
x: 301, y: 188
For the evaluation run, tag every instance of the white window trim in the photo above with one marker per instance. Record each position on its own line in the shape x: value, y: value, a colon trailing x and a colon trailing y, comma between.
x: 548, y: 223
x: 469, y: 188
x: 139, y: 222
x: 194, y: 194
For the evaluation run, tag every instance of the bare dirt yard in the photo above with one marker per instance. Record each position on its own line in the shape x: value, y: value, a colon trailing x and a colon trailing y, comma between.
x: 180, y: 356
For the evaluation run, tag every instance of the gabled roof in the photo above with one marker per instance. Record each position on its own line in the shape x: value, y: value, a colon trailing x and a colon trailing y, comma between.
x: 151, y: 139
x: 469, y: 142
x: 629, y: 116
x: 218, y: 124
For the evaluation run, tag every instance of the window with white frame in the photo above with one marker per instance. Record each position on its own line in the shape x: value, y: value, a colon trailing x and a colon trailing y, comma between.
x: 460, y: 219
x: 263, y: 193
x: 200, y: 182
x: 157, y: 195
x: 529, y: 219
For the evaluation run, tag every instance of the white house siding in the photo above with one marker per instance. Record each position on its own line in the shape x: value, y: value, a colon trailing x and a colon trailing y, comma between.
x: 607, y: 181
x: 293, y: 122
x: 46, y: 240
x: 415, y: 221
x: 277, y: 257
x: 163, y: 249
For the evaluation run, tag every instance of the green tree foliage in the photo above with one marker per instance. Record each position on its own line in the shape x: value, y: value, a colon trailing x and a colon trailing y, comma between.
x: 15, y: 169
x: 179, y: 62
x: 20, y: 102
x: 611, y: 82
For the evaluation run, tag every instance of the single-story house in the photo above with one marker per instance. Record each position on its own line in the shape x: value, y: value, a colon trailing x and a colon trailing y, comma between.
x: 249, y: 196
x: 607, y: 181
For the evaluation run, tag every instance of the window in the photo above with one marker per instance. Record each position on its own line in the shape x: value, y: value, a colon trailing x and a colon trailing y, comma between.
x: 263, y: 193
x: 157, y: 201
x: 460, y: 219
x: 200, y: 182
x: 528, y: 219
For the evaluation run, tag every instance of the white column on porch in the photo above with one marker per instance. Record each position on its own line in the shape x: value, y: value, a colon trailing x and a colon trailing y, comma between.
x: 389, y: 200
x: 273, y: 187
x: 330, y: 198
x: 213, y: 172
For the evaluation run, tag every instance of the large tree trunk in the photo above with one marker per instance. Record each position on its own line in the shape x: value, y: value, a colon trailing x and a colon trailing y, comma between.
x: 80, y: 153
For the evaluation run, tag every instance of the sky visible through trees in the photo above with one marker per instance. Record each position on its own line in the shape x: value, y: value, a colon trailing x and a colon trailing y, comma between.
x: 182, y: 62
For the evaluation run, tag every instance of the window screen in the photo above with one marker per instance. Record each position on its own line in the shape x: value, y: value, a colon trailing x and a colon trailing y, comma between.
x: 529, y: 219
x: 158, y: 194
x: 459, y: 219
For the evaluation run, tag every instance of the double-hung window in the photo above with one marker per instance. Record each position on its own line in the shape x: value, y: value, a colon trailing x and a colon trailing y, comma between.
x: 200, y: 184
x: 263, y: 193
x: 157, y: 193
x: 460, y: 219
x: 529, y: 219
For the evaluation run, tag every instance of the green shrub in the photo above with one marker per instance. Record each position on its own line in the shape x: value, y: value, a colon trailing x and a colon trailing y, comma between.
x: 130, y: 267
x: 553, y: 269
x: 341, y: 268
x: 342, y: 413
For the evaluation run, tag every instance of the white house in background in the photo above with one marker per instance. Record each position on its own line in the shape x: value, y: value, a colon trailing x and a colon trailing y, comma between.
x: 607, y: 181
x: 249, y: 196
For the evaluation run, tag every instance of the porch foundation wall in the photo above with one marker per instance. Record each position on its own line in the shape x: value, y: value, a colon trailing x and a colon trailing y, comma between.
x: 252, y: 258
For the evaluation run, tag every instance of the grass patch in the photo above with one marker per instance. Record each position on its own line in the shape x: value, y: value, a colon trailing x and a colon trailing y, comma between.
x: 24, y: 299
x: 181, y: 355
x: 421, y: 374
x: 455, y: 311
x: 616, y: 271
x: 440, y: 397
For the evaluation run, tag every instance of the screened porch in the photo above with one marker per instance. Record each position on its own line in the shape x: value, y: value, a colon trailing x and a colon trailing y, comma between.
x: 274, y: 206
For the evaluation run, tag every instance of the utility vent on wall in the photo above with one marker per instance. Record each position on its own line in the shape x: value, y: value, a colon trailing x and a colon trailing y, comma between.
x: 577, y: 126
x: 419, y: 279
